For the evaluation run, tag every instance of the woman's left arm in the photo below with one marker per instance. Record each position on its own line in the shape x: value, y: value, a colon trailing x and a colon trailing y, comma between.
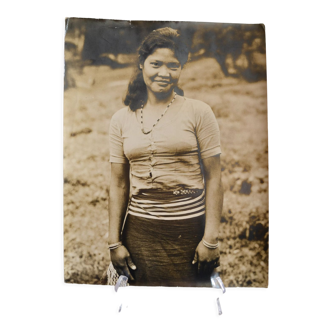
x: 209, y: 258
x: 214, y: 197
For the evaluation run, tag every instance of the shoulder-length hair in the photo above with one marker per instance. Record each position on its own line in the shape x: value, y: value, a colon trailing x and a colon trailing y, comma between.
x: 160, y: 38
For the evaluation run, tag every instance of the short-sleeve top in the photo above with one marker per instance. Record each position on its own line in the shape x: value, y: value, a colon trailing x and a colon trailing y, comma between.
x: 168, y: 158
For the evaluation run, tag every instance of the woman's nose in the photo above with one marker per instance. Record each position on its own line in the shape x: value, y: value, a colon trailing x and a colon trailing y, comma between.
x: 164, y: 71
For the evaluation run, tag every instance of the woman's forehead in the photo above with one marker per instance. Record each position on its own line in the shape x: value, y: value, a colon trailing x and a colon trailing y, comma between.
x: 163, y: 54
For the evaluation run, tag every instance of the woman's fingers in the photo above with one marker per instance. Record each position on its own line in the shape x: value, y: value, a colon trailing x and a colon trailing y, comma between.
x: 215, y: 263
x: 131, y: 263
x: 118, y: 267
x: 118, y: 270
x: 202, y: 265
x: 205, y: 267
x: 124, y: 270
x: 195, y: 258
x: 127, y: 273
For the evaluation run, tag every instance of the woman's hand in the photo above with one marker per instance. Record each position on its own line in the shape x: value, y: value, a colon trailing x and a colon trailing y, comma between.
x: 121, y: 260
x: 208, y: 259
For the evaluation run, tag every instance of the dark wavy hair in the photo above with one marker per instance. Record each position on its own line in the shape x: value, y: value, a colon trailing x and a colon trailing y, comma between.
x: 160, y: 38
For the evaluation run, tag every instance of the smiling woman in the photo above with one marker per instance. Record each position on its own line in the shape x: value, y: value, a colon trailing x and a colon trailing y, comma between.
x: 164, y: 51
x: 166, y: 195
x: 161, y: 71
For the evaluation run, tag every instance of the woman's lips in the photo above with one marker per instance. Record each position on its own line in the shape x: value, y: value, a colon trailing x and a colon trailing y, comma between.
x: 163, y: 82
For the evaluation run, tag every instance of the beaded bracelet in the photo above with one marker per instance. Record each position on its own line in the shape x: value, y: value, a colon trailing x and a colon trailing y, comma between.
x: 115, y: 245
x: 210, y: 245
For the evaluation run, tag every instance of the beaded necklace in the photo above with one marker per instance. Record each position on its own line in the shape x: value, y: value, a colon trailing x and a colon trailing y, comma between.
x: 142, y: 126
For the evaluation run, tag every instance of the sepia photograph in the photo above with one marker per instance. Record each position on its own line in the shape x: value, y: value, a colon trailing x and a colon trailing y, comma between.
x: 165, y: 153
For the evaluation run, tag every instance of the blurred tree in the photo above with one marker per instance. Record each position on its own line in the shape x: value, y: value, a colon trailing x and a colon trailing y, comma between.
x: 238, y: 48
x: 105, y: 40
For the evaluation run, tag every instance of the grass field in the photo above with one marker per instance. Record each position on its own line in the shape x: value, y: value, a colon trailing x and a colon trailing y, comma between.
x: 241, y: 111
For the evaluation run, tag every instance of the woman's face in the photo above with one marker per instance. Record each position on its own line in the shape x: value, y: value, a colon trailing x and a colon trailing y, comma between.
x: 161, y: 71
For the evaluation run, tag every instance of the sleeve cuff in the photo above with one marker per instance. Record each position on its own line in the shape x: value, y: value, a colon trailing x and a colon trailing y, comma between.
x: 118, y: 160
x: 211, y: 152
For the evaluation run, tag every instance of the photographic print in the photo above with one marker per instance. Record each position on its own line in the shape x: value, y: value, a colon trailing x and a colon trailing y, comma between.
x: 165, y: 153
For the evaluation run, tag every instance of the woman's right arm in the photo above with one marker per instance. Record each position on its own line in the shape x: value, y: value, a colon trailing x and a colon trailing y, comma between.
x: 117, y: 205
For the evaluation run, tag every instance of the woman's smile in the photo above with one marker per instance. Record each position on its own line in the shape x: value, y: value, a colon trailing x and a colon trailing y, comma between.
x: 163, y: 83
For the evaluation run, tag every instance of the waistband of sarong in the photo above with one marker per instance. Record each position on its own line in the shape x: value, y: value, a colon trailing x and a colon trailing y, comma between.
x: 168, y: 205
x: 168, y: 194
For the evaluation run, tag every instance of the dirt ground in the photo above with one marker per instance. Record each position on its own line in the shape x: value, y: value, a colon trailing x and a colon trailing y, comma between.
x: 241, y: 111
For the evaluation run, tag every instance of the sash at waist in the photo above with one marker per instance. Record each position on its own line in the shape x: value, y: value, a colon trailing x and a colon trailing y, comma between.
x: 168, y: 205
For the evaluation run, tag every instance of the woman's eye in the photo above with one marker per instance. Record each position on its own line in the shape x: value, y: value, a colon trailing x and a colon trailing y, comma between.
x: 155, y: 64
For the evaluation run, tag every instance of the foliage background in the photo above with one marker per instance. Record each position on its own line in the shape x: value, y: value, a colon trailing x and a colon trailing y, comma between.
x: 227, y: 70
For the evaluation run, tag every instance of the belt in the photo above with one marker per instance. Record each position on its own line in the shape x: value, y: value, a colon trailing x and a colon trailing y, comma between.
x: 177, y: 192
x: 186, y: 191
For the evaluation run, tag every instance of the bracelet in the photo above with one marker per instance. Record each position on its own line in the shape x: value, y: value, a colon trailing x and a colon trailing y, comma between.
x: 115, y: 245
x: 210, y: 245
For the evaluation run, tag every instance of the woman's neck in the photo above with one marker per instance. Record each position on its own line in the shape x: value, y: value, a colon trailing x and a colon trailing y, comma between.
x: 159, y: 99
